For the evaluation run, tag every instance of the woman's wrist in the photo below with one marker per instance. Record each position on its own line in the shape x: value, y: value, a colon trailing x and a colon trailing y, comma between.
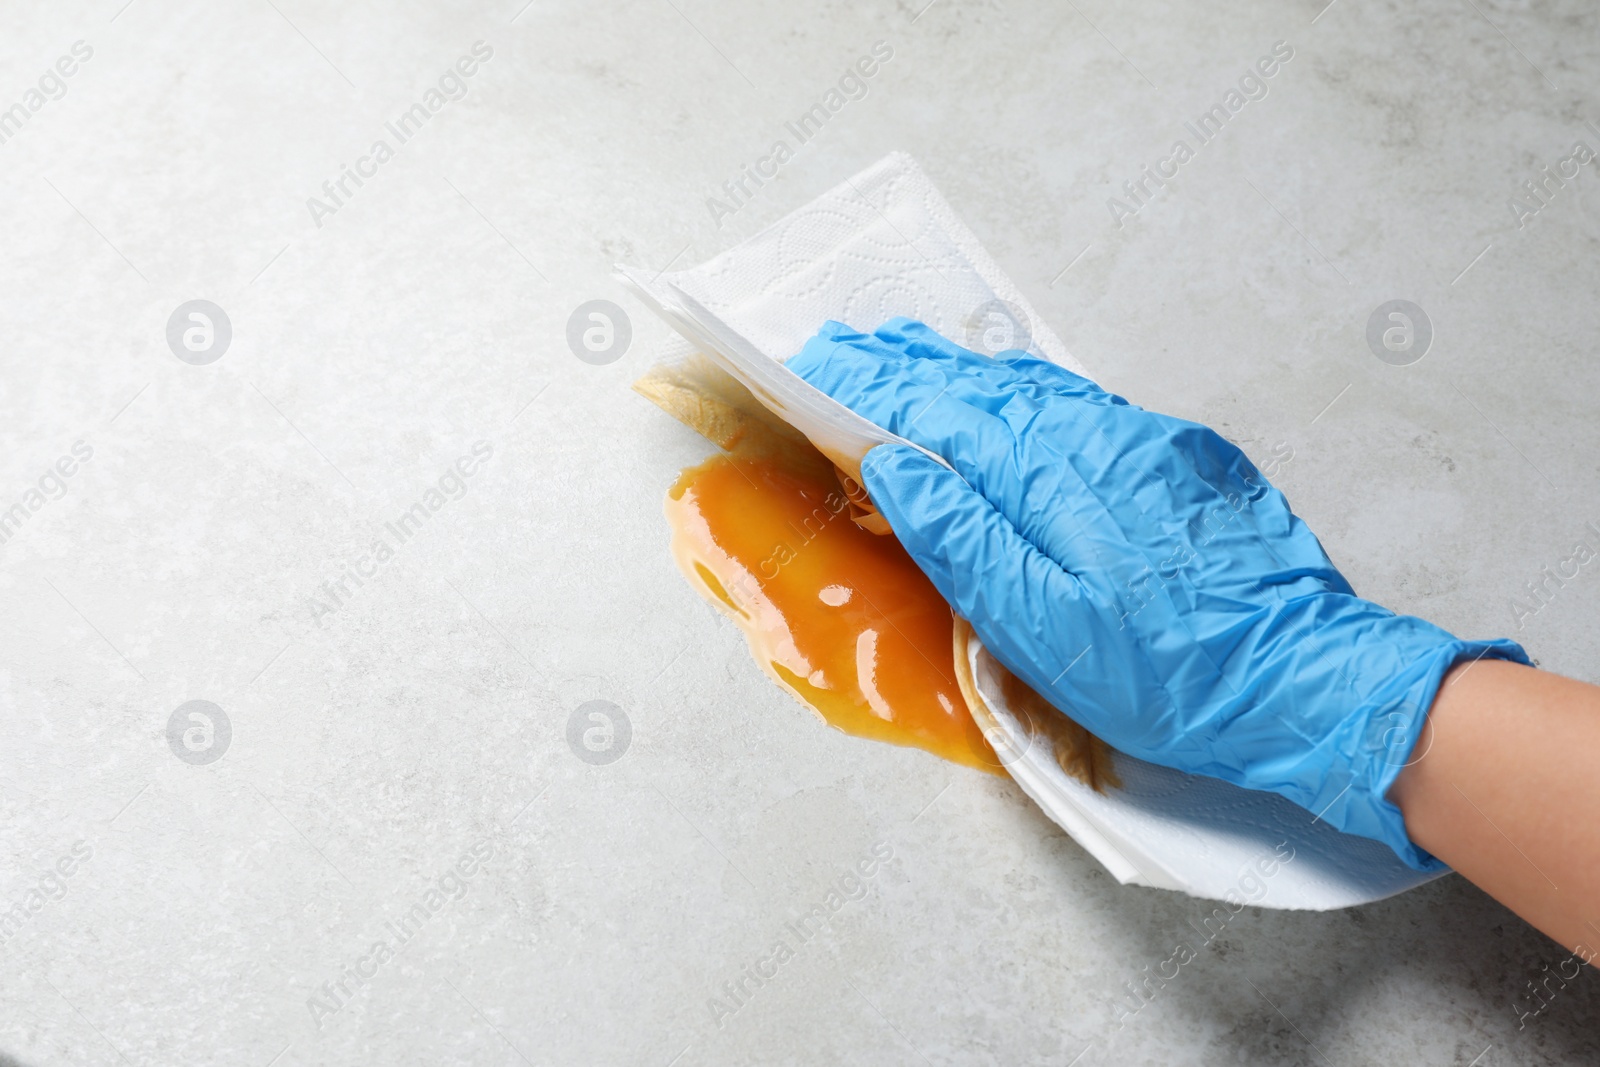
x: 1500, y: 787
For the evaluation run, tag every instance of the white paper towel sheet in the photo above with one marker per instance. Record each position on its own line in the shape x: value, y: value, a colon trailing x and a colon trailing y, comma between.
x: 1202, y: 836
x: 886, y: 243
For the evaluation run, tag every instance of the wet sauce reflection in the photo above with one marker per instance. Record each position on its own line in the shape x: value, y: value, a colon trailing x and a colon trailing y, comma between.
x: 840, y: 617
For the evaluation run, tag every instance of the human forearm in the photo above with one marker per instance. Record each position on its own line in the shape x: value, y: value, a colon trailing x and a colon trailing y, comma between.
x: 1502, y: 787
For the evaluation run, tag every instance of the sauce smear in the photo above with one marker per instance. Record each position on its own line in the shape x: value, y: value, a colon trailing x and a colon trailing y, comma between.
x: 840, y: 617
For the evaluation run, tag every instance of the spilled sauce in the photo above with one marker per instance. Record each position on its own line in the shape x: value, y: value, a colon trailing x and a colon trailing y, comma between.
x: 834, y: 611
x: 840, y: 617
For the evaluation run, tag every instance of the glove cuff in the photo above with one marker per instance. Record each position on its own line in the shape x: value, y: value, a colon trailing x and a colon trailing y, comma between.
x: 1380, y: 739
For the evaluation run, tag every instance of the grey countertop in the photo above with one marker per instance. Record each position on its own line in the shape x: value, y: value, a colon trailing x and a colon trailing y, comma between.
x: 385, y: 850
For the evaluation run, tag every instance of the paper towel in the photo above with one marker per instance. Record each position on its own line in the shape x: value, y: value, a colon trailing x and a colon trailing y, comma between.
x: 1199, y: 835
x: 886, y: 243
x: 883, y: 243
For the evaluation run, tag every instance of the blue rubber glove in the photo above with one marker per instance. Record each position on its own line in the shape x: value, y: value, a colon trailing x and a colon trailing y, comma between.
x: 1141, y: 574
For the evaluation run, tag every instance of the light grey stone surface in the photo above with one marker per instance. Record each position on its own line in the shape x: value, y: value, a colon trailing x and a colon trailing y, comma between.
x: 376, y: 744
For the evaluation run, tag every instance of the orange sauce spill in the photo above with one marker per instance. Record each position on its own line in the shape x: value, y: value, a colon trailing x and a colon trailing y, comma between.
x: 840, y: 617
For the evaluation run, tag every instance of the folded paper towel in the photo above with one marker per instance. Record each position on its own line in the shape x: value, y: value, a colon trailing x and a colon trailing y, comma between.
x: 886, y: 243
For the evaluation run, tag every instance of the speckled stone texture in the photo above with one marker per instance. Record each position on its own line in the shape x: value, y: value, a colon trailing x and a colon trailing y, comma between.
x: 399, y: 770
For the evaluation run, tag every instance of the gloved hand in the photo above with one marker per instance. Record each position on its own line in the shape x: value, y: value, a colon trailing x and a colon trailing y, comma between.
x: 1140, y: 573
